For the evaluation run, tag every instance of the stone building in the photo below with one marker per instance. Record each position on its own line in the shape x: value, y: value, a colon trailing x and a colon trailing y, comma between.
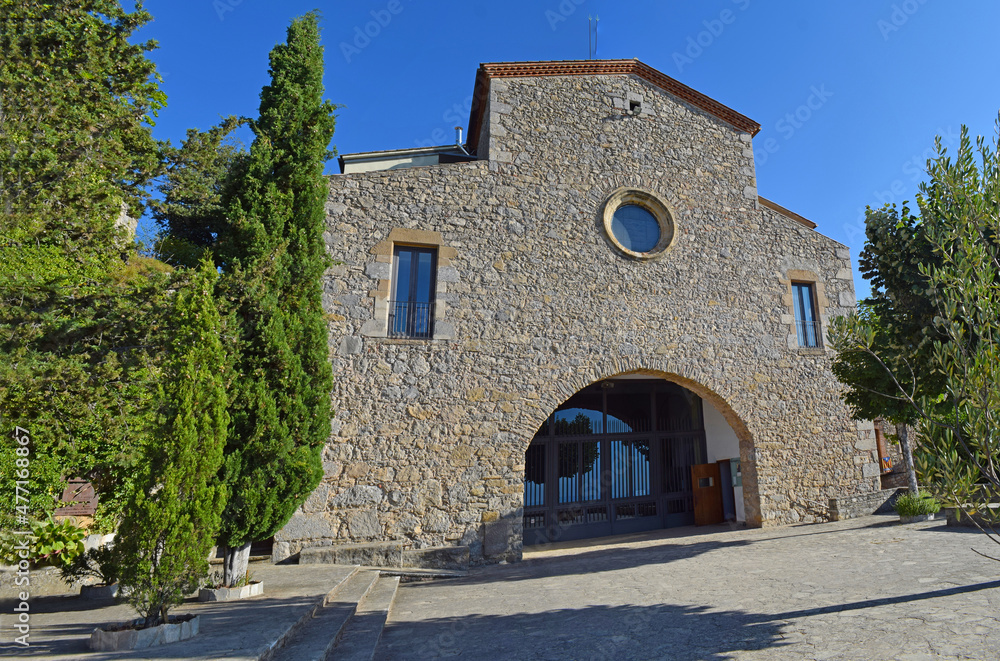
x: 583, y: 321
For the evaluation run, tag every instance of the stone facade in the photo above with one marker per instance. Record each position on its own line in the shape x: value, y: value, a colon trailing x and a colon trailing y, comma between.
x: 534, y: 302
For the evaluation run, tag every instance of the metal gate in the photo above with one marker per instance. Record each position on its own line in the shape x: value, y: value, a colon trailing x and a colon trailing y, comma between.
x: 615, y: 458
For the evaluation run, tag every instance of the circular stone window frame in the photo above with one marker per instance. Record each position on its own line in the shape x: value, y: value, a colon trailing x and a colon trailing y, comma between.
x: 652, y: 203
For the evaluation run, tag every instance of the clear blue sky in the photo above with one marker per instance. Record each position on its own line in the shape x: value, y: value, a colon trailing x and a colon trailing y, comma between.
x: 883, y: 77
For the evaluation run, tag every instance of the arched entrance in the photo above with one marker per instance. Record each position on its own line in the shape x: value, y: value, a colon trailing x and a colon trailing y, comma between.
x: 629, y: 454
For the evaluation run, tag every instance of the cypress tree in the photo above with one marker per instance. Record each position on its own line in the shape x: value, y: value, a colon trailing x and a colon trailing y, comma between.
x: 173, y: 516
x: 281, y: 409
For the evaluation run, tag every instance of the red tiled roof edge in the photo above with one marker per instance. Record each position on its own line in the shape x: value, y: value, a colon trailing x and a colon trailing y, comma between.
x: 488, y: 71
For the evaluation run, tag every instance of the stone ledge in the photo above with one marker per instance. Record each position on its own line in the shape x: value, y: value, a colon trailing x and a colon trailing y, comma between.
x: 955, y: 517
x: 137, y: 639
x: 876, y: 502
x: 378, y: 554
x: 231, y: 594
x: 438, y: 557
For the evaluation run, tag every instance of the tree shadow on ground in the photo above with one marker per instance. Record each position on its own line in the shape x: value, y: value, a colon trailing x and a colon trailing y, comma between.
x: 663, y: 631
x: 225, y: 626
x: 590, y: 633
x: 882, y: 601
x: 636, y: 550
x: 600, y: 560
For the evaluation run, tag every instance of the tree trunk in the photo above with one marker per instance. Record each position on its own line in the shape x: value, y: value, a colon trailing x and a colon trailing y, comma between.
x: 235, y: 564
x: 904, y: 445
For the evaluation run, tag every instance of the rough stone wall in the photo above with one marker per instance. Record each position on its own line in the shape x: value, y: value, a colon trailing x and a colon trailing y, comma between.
x: 875, y: 502
x: 429, y: 438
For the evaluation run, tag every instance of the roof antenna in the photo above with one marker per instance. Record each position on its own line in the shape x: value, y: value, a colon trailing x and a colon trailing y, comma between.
x: 590, y: 37
x: 592, y: 22
x: 597, y: 20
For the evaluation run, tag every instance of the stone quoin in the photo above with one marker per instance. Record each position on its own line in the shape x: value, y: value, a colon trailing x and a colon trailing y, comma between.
x: 546, y: 332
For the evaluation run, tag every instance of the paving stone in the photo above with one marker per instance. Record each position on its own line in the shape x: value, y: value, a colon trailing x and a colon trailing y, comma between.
x: 244, y: 630
x: 847, y: 590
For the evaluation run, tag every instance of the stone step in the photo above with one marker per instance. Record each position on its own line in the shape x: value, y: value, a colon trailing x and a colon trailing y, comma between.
x: 360, y: 637
x: 317, y: 636
x: 377, y: 554
x: 409, y: 574
x: 437, y: 557
x: 387, y: 554
x: 282, y: 634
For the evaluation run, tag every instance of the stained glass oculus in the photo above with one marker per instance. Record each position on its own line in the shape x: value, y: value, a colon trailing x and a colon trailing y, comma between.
x: 635, y: 228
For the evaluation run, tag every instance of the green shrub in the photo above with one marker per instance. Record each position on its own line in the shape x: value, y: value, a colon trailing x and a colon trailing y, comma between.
x: 51, y: 542
x: 170, y: 520
x: 909, y: 504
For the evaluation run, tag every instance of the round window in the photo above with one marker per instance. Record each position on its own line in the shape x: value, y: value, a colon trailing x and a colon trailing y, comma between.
x: 638, y: 224
x: 635, y: 228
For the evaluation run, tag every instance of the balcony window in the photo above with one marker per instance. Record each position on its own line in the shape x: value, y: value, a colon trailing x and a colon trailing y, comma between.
x: 807, y: 326
x: 411, y: 310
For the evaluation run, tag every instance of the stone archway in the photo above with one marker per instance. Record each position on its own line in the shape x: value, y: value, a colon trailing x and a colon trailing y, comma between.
x: 657, y: 450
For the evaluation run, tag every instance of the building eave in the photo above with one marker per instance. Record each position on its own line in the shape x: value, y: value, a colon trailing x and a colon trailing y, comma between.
x: 386, y: 154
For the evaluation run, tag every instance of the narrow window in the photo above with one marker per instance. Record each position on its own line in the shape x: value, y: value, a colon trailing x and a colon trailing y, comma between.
x: 806, y: 326
x: 411, y: 312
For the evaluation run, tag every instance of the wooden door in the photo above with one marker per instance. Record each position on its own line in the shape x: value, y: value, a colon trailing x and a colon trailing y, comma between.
x: 705, y: 485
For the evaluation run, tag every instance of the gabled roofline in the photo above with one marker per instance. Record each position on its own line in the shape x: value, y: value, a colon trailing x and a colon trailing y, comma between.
x: 490, y: 70
x: 764, y: 202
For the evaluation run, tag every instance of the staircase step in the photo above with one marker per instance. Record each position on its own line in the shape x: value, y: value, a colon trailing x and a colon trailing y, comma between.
x: 438, y: 557
x: 409, y: 574
x: 314, y: 639
x: 376, y: 554
x: 360, y: 637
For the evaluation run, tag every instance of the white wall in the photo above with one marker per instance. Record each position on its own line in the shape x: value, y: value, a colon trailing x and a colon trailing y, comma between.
x: 719, y: 436
x: 722, y: 443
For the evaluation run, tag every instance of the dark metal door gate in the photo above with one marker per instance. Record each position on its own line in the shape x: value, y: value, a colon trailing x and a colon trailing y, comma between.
x: 614, y: 459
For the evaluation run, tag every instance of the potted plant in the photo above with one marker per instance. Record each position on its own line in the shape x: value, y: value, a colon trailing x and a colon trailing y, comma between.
x: 217, y: 590
x: 100, y: 565
x: 913, y: 507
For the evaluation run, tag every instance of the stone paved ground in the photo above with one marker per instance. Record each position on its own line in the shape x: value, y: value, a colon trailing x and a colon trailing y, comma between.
x: 233, y: 631
x: 862, y: 589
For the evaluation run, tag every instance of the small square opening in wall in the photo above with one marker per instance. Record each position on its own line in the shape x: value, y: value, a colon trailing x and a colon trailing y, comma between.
x: 634, y: 107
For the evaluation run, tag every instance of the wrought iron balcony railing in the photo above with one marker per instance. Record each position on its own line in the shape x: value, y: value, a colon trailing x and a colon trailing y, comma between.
x: 809, y: 333
x: 410, y: 319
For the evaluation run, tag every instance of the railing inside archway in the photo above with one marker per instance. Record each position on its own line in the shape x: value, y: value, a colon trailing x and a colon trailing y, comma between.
x: 613, y: 459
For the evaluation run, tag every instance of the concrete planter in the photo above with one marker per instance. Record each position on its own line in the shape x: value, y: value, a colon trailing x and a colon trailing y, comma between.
x: 99, y: 591
x: 231, y: 594
x: 916, y: 518
x: 138, y: 639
